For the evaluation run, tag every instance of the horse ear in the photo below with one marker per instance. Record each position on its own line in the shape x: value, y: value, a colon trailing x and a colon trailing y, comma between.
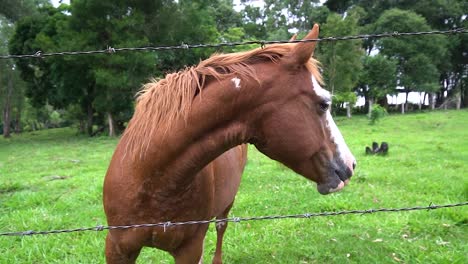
x: 302, y: 51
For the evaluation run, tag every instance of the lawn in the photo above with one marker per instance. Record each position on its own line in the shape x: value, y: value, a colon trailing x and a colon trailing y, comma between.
x: 53, y: 180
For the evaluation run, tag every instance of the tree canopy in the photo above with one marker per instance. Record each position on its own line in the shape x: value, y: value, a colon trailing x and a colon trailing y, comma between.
x: 97, y: 91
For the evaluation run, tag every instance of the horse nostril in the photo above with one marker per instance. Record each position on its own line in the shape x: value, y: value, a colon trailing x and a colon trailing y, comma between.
x: 354, y: 165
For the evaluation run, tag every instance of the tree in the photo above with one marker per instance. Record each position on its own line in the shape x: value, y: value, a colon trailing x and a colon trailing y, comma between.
x: 378, y: 79
x: 415, y: 56
x: 341, y: 59
x: 11, y: 86
x: 440, y: 15
x: 103, y: 86
x: 36, y: 73
x: 111, y: 80
x: 276, y: 18
x: 13, y: 10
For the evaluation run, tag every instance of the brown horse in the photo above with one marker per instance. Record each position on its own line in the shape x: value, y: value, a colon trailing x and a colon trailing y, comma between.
x: 161, y: 171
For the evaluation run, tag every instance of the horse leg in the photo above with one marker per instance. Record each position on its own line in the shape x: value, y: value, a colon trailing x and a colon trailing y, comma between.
x: 220, y: 229
x: 116, y: 254
x: 191, y: 251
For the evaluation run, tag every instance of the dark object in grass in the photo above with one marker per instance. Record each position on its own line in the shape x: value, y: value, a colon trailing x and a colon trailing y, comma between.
x: 382, y: 150
x: 56, y: 177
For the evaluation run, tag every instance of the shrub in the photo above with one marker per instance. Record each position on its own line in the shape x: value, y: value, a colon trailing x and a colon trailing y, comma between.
x: 378, y: 112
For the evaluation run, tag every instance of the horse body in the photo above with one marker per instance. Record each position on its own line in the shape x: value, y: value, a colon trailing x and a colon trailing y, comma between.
x: 210, y: 193
x: 162, y: 171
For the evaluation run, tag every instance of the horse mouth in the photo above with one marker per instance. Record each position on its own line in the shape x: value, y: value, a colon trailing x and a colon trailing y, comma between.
x: 335, y: 181
x: 327, y: 188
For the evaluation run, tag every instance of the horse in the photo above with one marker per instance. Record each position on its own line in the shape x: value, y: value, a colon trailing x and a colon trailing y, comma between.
x: 169, y: 163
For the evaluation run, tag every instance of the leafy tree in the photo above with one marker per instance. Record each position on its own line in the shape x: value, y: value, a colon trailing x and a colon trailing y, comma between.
x: 415, y: 56
x: 342, y: 59
x: 11, y: 86
x: 13, y: 10
x: 36, y: 72
x: 103, y: 86
x: 277, y: 17
x: 440, y: 15
x: 225, y: 16
x: 420, y: 75
x: 111, y: 80
x: 377, y: 79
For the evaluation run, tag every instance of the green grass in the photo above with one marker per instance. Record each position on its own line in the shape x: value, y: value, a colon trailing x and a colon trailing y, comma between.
x: 53, y: 180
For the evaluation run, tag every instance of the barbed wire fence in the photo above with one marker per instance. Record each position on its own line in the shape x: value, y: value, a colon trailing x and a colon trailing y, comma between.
x: 262, y: 43
x: 167, y: 225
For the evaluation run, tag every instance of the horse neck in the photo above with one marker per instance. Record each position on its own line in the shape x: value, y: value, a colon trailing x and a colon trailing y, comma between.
x: 214, y: 125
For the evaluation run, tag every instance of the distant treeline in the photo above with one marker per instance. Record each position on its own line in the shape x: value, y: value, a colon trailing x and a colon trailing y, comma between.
x: 96, y: 92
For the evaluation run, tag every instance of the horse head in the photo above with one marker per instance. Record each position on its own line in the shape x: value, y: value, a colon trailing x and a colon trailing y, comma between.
x: 296, y: 127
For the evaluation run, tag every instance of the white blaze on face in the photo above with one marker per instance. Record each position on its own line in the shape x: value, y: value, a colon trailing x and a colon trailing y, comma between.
x: 341, y: 147
x: 236, y: 82
x: 319, y: 91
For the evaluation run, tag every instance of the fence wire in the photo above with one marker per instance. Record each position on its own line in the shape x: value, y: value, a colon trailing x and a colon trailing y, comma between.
x: 262, y: 43
x: 167, y: 225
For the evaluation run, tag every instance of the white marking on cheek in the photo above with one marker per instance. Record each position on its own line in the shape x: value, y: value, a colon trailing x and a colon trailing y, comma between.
x: 236, y: 82
x: 319, y: 91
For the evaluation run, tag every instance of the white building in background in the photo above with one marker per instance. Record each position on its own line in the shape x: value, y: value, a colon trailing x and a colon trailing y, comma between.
x: 400, y: 98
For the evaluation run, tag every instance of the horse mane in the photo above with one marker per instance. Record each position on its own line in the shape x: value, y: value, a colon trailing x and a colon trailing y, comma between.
x: 162, y: 102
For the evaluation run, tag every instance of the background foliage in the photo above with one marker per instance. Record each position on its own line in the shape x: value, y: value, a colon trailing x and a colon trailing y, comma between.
x: 95, y: 93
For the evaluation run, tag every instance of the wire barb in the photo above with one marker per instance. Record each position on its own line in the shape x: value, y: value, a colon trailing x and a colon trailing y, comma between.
x: 110, y: 50
x: 166, y: 225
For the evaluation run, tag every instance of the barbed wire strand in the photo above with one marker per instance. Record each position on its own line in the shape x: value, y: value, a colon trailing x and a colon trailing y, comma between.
x: 262, y: 43
x: 167, y: 225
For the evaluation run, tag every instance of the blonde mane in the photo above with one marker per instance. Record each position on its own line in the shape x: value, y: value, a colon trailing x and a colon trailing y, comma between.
x: 161, y: 103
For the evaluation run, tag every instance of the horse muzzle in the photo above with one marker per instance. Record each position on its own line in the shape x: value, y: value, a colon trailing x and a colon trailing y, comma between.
x: 337, y: 177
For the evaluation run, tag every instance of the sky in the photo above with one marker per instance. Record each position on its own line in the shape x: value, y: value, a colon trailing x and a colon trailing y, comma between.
x: 56, y: 2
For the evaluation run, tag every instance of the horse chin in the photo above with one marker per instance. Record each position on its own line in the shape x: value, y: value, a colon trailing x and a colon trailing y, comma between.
x: 331, y: 187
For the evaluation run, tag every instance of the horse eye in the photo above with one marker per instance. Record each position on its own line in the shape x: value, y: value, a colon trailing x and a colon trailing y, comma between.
x: 324, y: 106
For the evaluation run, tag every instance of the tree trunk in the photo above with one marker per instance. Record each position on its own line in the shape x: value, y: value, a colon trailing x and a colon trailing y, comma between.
x: 419, y: 102
x: 348, y: 110
x: 406, y: 102
x: 82, y: 126
x: 458, y: 98
x: 403, y: 108
x: 111, y: 122
x: 6, y: 121
x: 89, y: 121
x: 7, y: 107
x: 18, y: 122
x: 371, y: 104
x: 463, y: 95
x: 432, y: 100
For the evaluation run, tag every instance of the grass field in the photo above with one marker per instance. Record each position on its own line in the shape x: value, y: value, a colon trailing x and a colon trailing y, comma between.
x: 53, y: 180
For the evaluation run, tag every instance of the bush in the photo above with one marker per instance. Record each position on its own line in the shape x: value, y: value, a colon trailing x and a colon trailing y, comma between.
x: 377, y: 113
